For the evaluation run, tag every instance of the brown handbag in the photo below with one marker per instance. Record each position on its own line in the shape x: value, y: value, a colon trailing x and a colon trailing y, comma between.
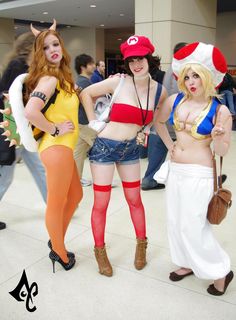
x: 221, y: 200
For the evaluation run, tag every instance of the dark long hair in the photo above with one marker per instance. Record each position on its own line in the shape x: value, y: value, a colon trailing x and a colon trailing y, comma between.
x: 149, y: 58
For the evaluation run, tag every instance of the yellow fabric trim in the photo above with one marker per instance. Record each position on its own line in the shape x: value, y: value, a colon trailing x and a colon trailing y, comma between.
x: 176, y: 120
x: 197, y: 121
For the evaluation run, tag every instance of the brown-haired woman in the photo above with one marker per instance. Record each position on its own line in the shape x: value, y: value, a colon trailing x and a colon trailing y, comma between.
x: 117, y: 143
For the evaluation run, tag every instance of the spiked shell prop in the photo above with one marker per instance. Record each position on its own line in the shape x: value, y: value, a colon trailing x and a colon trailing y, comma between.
x: 9, y: 124
x: 22, y: 124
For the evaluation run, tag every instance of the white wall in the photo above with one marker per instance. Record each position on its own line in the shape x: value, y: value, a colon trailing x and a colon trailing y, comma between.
x: 6, y: 38
x: 171, y: 21
x: 226, y: 36
x: 79, y: 40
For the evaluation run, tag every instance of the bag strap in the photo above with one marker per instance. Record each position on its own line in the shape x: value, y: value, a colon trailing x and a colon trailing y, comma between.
x: 117, y: 90
x: 216, y: 180
x: 158, y: 95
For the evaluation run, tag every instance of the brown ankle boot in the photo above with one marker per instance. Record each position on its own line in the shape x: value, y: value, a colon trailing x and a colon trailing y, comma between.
x: 104, y: 265
x: 140, y: 254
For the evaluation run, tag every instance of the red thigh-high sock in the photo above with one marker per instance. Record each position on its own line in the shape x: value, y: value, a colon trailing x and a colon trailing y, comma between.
x: 133, y: 198
x: 74, y: 197
x: 59, y: 164
x: 102, y: 196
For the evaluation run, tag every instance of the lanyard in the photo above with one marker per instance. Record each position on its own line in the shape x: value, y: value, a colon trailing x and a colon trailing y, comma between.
x: 144, y: 116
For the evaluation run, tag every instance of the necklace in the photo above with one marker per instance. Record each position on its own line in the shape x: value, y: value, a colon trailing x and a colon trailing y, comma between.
x: 141, y: 137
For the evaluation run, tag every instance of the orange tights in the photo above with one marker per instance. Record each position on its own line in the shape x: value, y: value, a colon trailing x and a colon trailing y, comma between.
x: 64, y: 194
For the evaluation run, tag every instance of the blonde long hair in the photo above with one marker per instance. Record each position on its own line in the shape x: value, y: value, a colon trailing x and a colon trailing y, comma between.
x: 40, y: 66
x: 206, y: 77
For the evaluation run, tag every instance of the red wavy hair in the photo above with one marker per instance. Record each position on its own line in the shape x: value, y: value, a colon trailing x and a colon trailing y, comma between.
x: 40, y: 66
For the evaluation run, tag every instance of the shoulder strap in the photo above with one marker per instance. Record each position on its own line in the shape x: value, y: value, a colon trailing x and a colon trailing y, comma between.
x: 214, y: 160
x: 158, y: 95
x: 176, y: 102
x: 178, y: 98
x: 50, y: 101
x: 117, y: 90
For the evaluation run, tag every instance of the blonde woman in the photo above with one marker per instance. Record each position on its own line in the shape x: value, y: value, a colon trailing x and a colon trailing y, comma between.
x: 199, y: 122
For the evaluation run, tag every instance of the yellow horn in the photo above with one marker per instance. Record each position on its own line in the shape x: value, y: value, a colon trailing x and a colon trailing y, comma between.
x: 34, y: 30
x: 53, y: 26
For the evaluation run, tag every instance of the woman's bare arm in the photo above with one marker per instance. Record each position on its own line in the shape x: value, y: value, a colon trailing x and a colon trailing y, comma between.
x: 33, y: 108
x: 98, y: 89
x: 221, y: 133
x: 160, y: 118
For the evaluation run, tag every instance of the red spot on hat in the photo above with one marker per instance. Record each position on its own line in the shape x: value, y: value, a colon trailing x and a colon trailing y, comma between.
x: 219, y: 60
x: 186, y: 51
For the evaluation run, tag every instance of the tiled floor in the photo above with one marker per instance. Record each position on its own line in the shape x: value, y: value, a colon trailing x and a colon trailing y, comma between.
x: 82, y: 293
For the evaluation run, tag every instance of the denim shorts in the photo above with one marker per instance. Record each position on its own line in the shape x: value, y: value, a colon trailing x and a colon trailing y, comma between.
x: 107, y: 151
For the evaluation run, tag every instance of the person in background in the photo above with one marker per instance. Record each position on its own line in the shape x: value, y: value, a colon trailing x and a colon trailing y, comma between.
x: 17, y: 62
x: 99, y: 73
x: 50, y: 74
x: 146, y: 152
x: 84, y: 66
x: 117, y: 144
x: 155, y: 70
x: 199, y: 121
x: 157, y: 150
x: 226, y: 89
x: 169, y: 81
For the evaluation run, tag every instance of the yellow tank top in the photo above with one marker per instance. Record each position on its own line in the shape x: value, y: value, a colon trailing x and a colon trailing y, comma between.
x: 64, y: 108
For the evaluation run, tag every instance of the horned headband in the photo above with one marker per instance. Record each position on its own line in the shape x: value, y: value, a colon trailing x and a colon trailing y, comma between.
x: 37, y: 32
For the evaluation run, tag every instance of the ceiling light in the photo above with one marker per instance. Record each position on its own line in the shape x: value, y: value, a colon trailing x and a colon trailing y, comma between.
x: 122, y: 14
x: 45, y: 12
x: 102, y: 25
x: 68, y: 26
x: 41, y: 21
x: 93, y: 6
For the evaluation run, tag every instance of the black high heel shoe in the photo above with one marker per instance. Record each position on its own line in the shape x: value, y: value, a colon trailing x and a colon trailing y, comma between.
x: 55, y: 257
x: 69, y: 254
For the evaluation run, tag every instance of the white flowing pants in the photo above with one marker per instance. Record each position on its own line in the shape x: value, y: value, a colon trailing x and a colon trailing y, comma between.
x: 189, y: 189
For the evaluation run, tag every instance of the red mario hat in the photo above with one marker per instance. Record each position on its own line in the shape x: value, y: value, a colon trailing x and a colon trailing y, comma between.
x: 136, y: 46
x: 206, y: 55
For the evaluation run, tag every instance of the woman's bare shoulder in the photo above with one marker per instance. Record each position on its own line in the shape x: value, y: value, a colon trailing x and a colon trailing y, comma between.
x: 171, y: 99
x: 47, y: 80
x: 47, y: 85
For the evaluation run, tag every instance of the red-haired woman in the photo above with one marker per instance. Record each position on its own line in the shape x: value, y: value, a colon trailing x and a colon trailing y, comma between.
x: 50, y: 78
